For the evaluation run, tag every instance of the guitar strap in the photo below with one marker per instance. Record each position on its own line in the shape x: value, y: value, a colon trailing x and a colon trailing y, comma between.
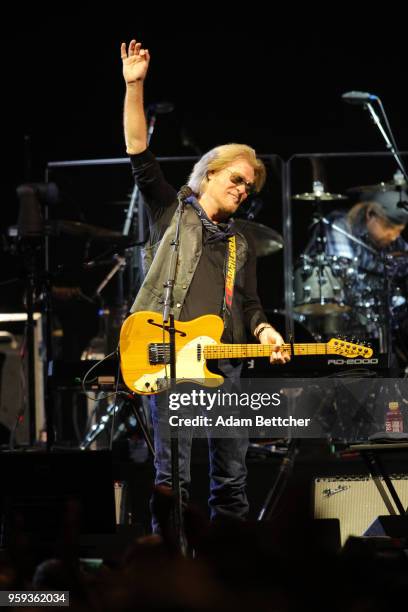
x: 230, y: 270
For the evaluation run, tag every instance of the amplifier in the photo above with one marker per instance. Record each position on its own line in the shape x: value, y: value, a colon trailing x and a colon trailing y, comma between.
x: 355, y: 501
x: 13, y: 375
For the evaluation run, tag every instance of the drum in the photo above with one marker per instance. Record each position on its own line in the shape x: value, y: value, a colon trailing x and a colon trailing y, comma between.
x: 370, y: 302
x: 320, y: 283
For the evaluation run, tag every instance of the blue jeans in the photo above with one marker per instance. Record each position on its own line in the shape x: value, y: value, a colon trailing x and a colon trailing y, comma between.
x: 228, y: 469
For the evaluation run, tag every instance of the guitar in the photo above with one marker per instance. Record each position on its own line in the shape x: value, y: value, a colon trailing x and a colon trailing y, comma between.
x: 144, y: 353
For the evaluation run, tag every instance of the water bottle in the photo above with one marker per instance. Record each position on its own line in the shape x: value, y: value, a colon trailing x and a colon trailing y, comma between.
x: 394, y: 422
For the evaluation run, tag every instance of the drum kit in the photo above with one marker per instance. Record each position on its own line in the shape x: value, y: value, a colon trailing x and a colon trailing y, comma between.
x: 334, y: 293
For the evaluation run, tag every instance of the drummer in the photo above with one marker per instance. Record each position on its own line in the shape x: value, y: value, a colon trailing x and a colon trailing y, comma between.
x: 378, y: 219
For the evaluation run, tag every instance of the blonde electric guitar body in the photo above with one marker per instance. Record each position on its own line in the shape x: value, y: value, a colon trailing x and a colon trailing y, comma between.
x: 145, y: 351
x: 141, y: 345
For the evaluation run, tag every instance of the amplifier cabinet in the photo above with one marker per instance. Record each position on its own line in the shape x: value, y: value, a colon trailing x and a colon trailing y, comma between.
x: 355, y: 501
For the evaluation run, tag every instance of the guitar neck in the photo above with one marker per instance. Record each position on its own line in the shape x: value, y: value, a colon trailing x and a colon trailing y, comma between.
x: 231, y: 351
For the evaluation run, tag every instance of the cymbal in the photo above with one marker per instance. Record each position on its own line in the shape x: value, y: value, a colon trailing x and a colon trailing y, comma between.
x: 324, y: 196
x: 383, y: 186
x: 266, y: 240
x: 85, y: 230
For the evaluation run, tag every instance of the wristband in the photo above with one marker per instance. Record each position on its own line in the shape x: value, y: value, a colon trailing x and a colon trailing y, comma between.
x: 261, y: 329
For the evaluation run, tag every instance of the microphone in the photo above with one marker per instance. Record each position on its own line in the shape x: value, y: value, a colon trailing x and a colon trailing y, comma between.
x: 184, y: 193
x: 254, y: 208
x: 358, y: 97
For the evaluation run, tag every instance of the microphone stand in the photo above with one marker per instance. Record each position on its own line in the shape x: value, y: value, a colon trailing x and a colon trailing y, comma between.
x: 390, y: 145
x: 168, y: 316
x: 387, y: 313
x: 318, y: 190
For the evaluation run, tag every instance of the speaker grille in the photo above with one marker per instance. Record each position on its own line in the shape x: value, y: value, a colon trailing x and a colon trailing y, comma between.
x: 355, y: 501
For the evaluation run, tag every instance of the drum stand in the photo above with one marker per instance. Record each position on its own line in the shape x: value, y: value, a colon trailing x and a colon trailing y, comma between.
x: 321, y: 242
x: 319, y: 220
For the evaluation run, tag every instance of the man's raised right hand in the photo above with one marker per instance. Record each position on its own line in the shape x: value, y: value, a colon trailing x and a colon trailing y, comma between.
x: 135, y: 62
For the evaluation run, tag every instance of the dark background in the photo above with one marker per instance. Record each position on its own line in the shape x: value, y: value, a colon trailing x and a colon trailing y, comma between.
x: 271, y: 81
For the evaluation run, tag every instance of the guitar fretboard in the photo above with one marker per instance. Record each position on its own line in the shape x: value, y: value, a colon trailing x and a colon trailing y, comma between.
x: 231, y: 351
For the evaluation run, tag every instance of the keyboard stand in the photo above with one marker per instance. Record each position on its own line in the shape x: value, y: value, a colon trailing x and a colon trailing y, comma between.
x: 371, y: 455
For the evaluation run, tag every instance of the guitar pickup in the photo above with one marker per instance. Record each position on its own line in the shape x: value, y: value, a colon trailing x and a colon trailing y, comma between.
x: 159, y: 353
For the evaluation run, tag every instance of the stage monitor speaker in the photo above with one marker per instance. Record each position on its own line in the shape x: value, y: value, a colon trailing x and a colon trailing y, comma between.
x: 355, y: 501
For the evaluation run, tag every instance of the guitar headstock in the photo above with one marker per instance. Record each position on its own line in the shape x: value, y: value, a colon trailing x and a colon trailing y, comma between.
x: 345, y: 348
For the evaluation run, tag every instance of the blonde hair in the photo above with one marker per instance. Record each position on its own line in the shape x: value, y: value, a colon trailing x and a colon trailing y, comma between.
x: 219, y: 158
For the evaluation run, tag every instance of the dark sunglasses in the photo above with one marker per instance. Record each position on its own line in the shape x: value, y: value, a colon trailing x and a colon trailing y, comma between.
x: 238, y: 180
